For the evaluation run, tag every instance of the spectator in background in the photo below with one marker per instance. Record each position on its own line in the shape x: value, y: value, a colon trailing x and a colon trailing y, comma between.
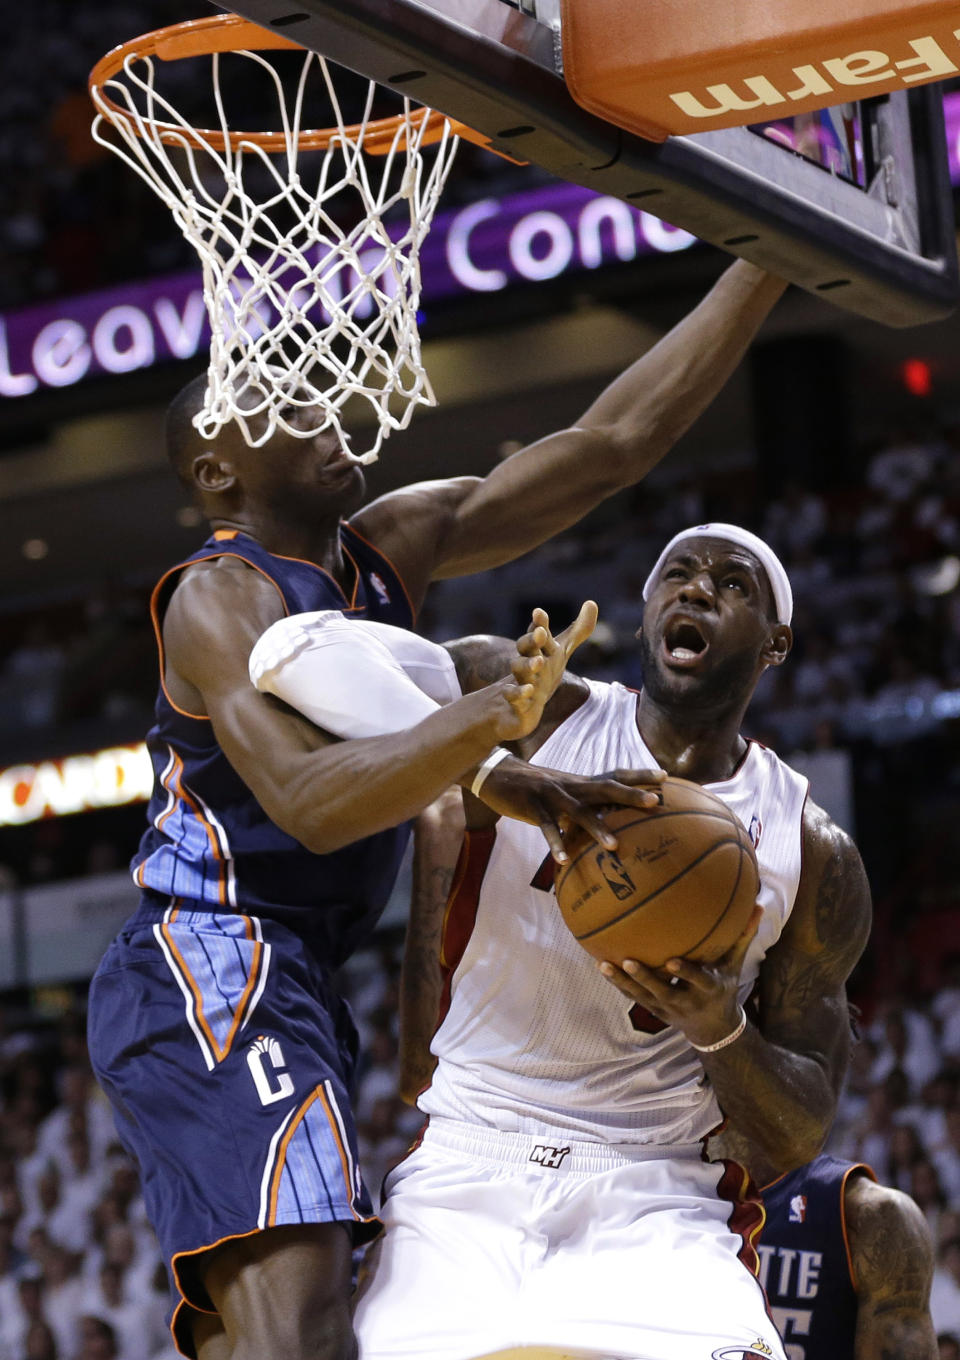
x: 927, y: 1192
x: 945, y: 1292
x: 98, y: 1340
x: 62, y: 1295
x: 795, y: 521
x: 25, y: 1312
x: 907, y: 1042
x: 40, y: 1343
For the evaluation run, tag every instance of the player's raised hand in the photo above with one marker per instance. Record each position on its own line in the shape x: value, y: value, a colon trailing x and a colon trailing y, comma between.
x: 540, y: 663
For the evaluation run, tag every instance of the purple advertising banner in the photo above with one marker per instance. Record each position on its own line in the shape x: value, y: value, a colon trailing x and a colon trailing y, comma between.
x: 485, y: 247
x: 482, y: 248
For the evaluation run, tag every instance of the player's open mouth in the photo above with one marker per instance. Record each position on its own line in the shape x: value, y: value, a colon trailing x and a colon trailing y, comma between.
x: 683, y: 643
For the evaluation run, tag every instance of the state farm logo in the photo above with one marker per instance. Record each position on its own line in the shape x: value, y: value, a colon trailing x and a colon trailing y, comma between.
x: 827, y: 80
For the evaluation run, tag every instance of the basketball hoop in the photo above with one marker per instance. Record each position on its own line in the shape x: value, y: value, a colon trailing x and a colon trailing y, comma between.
x: 312, y: 295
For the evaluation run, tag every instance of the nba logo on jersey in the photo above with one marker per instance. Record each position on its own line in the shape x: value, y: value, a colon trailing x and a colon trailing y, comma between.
x: 755, y: 830
x: 798, y: 1209
x: 376, y: 580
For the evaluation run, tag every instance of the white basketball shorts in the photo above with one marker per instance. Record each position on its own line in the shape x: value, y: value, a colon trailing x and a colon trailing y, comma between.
x: 498, y: 1240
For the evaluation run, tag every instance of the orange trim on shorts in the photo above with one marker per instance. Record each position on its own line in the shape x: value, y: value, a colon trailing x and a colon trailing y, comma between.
x: 344, y: 1163
x: 238, y: 1015
x: 282, y: 1156
x: 158, y: 630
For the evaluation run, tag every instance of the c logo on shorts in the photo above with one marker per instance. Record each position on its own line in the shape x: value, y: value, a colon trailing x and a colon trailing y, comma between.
x: 269, y: 1071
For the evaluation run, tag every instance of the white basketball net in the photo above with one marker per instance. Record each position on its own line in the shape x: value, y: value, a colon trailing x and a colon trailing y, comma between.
x: 307, y: 309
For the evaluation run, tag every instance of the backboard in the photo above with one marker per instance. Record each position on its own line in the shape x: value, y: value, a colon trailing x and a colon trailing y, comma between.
x: 884, y: 248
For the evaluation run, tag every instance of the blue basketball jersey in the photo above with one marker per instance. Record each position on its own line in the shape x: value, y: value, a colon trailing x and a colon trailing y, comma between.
x: 805, y: 1262
x: 208, y: 839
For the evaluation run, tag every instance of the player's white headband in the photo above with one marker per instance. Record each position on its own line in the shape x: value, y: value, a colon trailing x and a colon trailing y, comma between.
x: 732, y: 533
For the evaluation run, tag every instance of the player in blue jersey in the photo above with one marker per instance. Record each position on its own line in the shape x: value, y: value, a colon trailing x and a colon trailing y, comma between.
x: 270, y: 850
x: 847, y: 1266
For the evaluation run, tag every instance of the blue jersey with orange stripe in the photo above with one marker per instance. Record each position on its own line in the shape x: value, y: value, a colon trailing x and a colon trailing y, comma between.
x: 208, y: 840
x: 805, y: 1264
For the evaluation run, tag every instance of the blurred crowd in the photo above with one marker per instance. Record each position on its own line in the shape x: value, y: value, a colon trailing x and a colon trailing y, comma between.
x: 80, y: 1273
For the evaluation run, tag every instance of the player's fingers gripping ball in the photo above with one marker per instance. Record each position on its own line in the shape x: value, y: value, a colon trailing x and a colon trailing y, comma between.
x: 682, y: 882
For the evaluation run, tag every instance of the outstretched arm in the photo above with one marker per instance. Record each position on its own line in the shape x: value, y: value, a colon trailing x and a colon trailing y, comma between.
x: 780, y: 1079
x: 892, y: 1261
x: 329, y: 794
x: 443, y: 529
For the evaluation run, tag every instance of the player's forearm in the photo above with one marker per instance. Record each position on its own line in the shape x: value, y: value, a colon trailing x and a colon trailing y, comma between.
x: 900, y: 1335
x: 783, y: 1098
x: 357, y: 788
x: 659, y: 397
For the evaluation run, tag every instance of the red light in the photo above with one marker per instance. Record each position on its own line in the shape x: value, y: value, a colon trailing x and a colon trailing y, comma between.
x: 917, y: 378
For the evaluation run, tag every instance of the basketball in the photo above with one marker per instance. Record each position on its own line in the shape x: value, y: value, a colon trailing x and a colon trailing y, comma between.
x: 682, y: 882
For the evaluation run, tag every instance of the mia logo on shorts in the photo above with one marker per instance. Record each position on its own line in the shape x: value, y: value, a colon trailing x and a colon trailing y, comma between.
x: 548, y: 1156
x: 269, y: 1070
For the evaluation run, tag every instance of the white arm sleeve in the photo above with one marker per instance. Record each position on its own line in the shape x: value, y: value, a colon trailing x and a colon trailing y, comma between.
x: 353, y: 677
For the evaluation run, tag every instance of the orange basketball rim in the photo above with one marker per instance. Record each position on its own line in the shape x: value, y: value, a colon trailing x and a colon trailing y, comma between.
x: 670, y: 67
x: 232, y: 33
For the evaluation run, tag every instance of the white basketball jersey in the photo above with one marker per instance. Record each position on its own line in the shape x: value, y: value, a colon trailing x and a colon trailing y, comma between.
x: 534, y: 1037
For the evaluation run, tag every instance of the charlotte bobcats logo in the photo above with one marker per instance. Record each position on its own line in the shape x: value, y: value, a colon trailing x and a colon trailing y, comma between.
x: 755, y: 830
x: 383, y: 594
x: 269, y: 1070
x: 798, y: 1209
x: 550, y: 1157
x: 758, y: 1350
x: 621, y: 884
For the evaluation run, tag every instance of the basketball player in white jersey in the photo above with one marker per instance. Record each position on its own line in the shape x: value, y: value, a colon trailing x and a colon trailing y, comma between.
x: 560, y: 1201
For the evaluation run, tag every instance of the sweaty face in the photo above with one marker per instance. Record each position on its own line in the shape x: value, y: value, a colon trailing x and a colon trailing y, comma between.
x: 705, y: 624
x: 298, y: 477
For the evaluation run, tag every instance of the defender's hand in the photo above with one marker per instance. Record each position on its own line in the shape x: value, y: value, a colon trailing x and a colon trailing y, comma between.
x: 700, y: 1001
x: 539, y: 665
x: 556, y: 801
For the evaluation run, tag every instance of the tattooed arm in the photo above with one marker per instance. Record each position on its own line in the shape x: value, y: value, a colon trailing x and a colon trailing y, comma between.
x: 780, y: 1079
x: 892, y: 1263
x: 437, y: 835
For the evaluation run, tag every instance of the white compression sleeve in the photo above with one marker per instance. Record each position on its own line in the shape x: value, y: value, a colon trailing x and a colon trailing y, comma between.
x: 352, y: 677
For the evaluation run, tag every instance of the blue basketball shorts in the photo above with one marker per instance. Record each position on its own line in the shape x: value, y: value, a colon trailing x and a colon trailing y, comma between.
x: 228, y: 1060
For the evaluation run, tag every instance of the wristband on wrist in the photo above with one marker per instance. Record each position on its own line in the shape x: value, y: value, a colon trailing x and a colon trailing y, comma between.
x: 493, y: 759
x: 731, y: 1038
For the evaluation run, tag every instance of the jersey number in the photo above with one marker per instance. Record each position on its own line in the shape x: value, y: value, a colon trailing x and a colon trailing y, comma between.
x: 791, y: 1323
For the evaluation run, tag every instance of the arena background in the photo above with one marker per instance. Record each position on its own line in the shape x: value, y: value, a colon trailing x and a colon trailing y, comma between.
x: 837, y: 439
